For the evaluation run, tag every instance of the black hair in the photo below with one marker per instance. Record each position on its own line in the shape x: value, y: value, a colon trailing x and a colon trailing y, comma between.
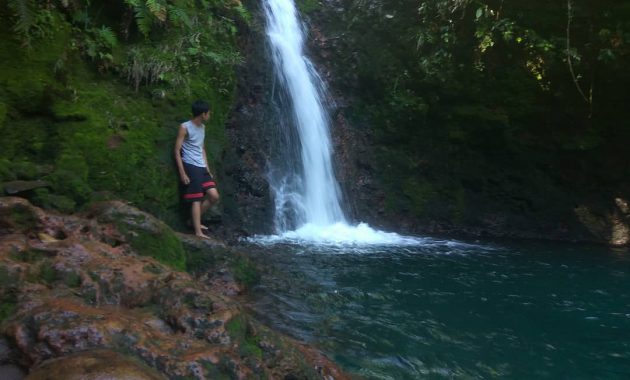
x: 199, y: 107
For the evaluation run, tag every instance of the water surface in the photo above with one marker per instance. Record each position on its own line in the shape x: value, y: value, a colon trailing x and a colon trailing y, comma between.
x: 449, y: 310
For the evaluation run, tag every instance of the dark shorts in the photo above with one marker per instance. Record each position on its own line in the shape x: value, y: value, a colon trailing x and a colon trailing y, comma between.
x: 200, y: 182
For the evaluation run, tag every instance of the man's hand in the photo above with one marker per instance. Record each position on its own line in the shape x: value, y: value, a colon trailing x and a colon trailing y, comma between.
x: 185, y: 179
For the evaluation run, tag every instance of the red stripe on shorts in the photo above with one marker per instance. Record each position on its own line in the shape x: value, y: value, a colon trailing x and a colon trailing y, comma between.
x: 210, y: 183
x: 193, y: 195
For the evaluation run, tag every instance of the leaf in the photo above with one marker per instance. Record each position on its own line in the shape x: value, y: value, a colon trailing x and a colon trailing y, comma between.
x: 108, y: 36
x: 479, y: 13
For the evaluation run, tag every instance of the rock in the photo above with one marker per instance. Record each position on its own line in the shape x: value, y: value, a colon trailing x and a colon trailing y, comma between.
x: 11, y: 372
x: 148, y: 235
x: 8, y: 370
x: 16, y: 187
x: 94, y: 365
x: 77, y: 290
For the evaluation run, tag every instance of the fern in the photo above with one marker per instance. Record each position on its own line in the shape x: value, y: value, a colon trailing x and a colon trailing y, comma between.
x: 157, y: 9
x: 107, y: 35
x: 144, y: 19
x: 25, y: 12
x: 178, y: 17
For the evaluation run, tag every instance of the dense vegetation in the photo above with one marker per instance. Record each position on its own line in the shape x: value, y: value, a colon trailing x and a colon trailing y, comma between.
x: 489, y: 112
x: 92, y: 92
x: 483, y: 113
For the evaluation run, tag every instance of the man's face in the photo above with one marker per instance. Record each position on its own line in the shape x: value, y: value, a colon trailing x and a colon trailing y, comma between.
x: 206, y: 116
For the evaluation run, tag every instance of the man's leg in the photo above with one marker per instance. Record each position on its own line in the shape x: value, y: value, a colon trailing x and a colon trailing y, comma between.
x: 212, y: 197
x: 195, y: 210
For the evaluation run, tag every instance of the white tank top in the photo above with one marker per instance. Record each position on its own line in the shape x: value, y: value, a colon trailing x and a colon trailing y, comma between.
x: 192, y: 148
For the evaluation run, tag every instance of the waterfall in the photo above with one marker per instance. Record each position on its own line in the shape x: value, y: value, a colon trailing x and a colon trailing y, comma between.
x: 308, y: 206
x: 306, y: 193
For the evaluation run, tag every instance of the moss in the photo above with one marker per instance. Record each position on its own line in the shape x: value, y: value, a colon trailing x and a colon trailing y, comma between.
x: 44, y: 199
x: 30, y: 256
x: 72, y: 279
x: 6, y: 173
x: 63, y: 105
x: 199, y: 260
x: 89, y: 296
x: 47, y: 273
x: 166, y: 248
x: 7, y: 308
x: 307, y: 6
x: 244, y: 271
x: 20, y: 218
x: 240, y: 332
x: 6, y: 279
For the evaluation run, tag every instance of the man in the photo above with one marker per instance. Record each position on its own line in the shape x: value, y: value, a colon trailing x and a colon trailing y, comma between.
x: 192, y: 163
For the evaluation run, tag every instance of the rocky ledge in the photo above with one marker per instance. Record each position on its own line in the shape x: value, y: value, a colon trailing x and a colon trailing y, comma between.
x: 99, y: 295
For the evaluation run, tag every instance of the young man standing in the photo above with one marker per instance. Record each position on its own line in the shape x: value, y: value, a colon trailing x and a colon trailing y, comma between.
x: 192, y: 163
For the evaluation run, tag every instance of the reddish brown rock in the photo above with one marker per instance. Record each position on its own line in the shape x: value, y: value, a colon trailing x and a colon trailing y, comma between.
x: 94, y: 365
x: 76, y: 285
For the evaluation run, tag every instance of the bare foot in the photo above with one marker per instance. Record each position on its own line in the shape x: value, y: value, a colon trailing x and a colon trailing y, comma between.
x: 203, y: 228
x: 201, y: 235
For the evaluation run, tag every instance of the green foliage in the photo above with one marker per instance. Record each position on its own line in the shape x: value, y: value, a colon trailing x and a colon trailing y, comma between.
x: 457, y: 93
x: 306, y: 6
x: 25, y: 12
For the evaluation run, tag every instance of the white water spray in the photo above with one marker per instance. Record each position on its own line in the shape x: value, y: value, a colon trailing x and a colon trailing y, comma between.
x: 307, y: 197
x: 320, y: 195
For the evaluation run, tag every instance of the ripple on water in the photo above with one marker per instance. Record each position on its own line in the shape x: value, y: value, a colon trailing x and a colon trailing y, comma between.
x: 414, y: 312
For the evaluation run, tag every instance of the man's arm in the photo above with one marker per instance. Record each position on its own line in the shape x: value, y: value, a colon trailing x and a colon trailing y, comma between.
x: 181, y: 135
x: 205, y: 159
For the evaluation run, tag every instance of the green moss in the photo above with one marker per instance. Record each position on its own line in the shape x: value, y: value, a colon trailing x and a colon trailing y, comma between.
x: 7, y: 308
x: 64, y: 102
x: 6, y: 174
x: 163, y: 245
x: 72, y: 279
x: 44, y: 199
x: 47, y: 273
x: 30, y: 256
x: 6, y: 279
x: 199, y: 260
x: 20, y: 218
x: 166, y: 248
x: 307, y: 6
x: 241, y: 333
x: 244, y: 271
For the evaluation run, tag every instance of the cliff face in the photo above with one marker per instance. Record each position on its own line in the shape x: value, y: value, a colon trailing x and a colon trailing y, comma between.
x: 92, y: 94
x: 463, y: 118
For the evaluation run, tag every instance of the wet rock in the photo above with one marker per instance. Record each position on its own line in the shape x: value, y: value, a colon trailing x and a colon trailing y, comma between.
x: 11, y: 372
x: 94, y: 365
x: 16, y: 187
x: 147, y: 235
x: 75, y: 285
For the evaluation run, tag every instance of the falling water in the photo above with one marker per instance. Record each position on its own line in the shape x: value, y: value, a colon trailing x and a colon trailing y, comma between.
x: 306, y: 193
x: 312, y: 188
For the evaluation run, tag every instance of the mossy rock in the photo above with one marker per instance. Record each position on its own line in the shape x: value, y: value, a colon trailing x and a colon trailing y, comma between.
x: 47, y: 200
x: 17, y: 215
x: 147, y: 235
x: 97, y: 364
x: 244, y: 270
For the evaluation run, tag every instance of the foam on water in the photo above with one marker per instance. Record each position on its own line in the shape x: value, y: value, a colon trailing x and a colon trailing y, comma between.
x: 339, y: 234
x: 342, y: 235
